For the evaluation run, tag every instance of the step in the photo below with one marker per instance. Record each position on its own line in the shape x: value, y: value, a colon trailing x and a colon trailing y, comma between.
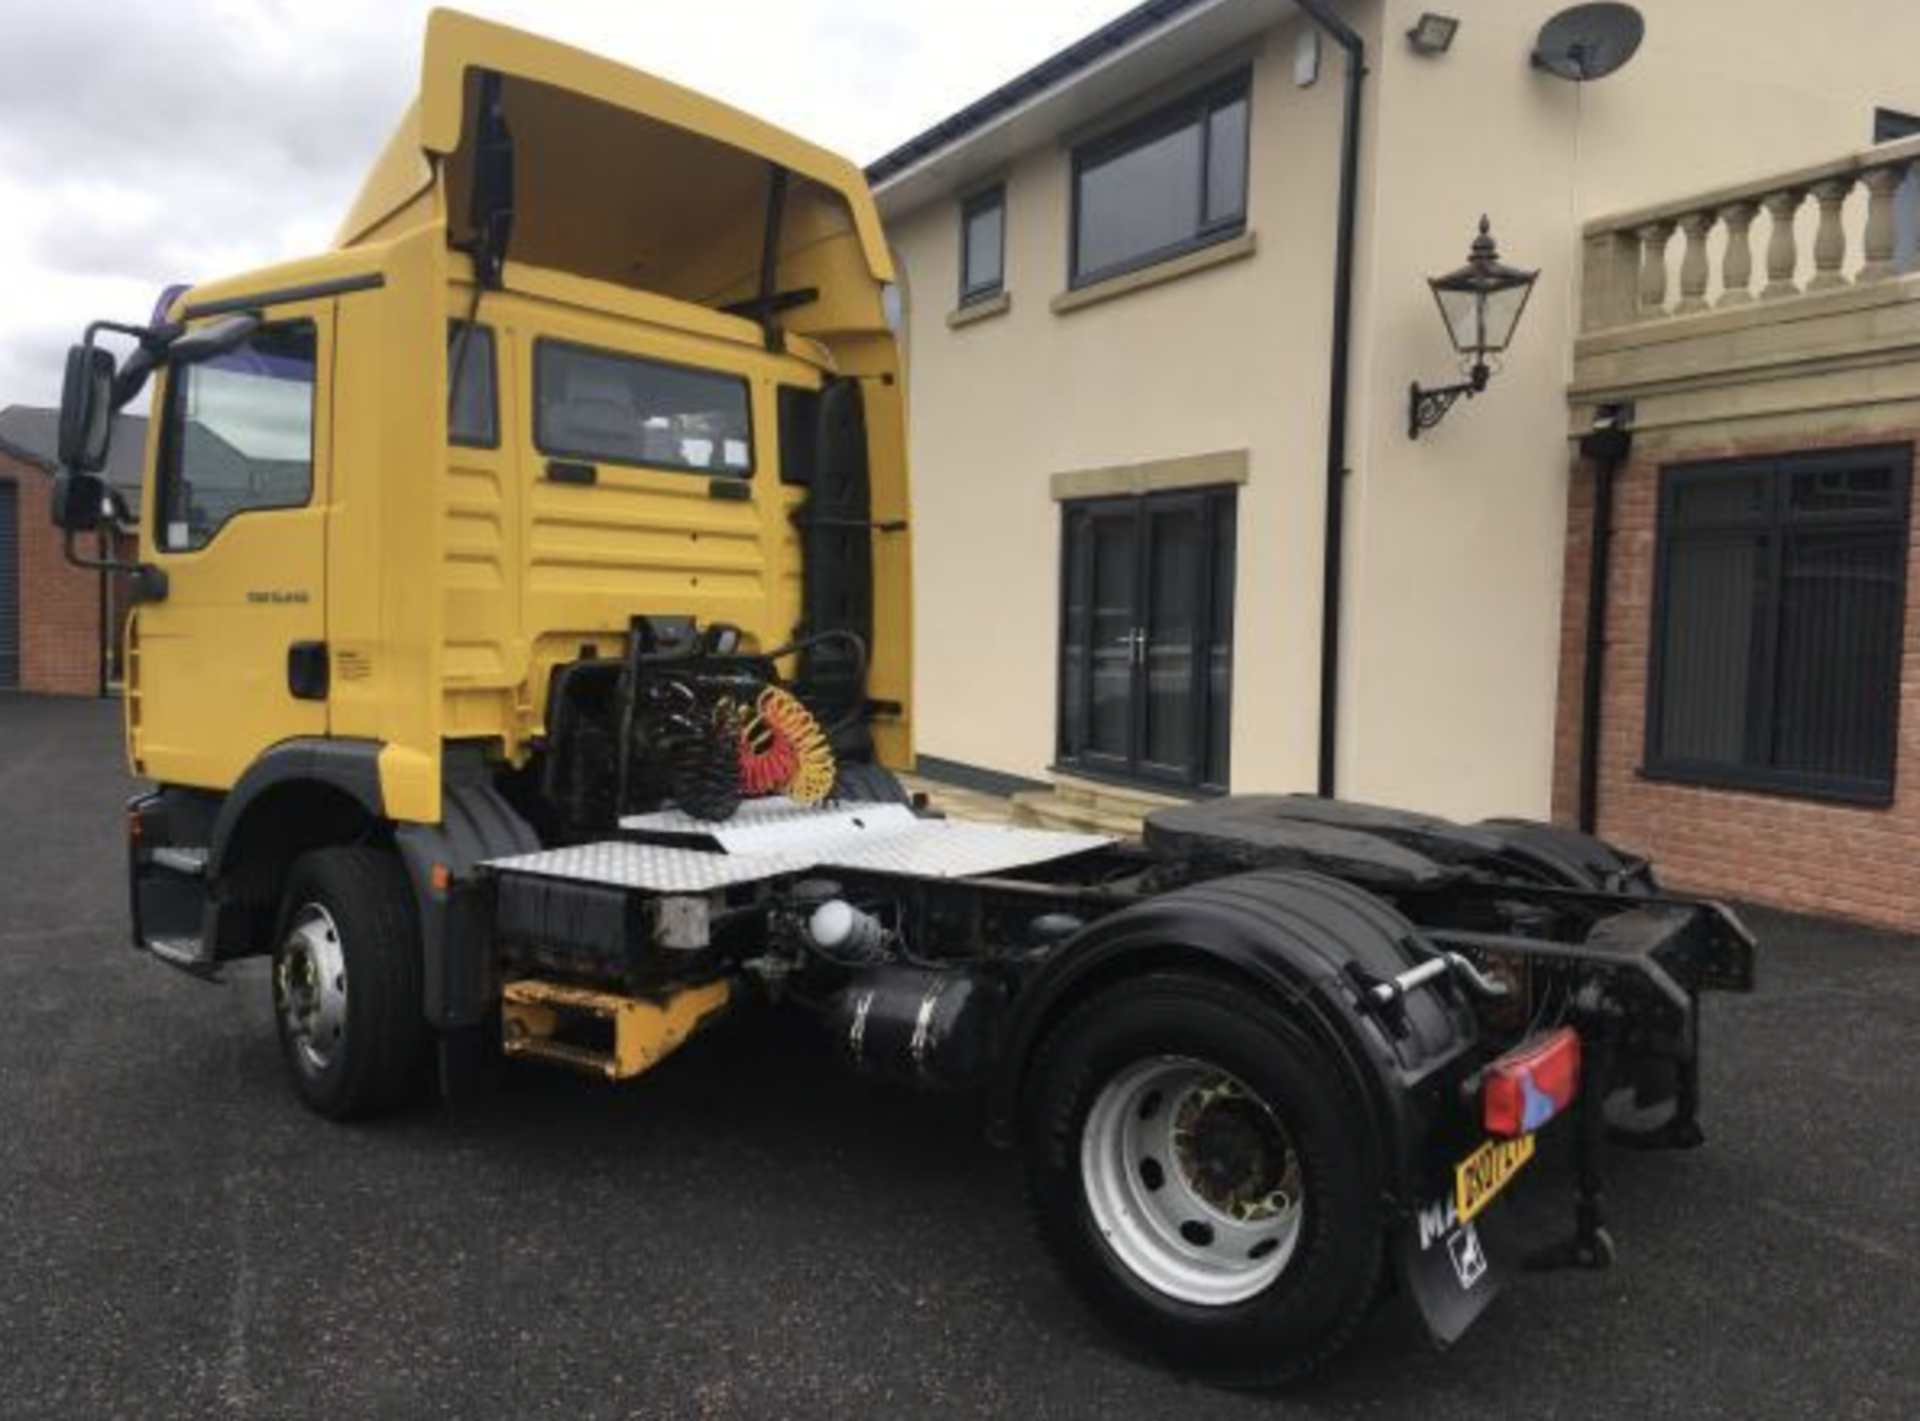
x: 1112, y: 798
x: 1070, y: 791
x: 189, y: 954
x: 183, y: 859
x: 957, y: 803
x: 1040, y: 809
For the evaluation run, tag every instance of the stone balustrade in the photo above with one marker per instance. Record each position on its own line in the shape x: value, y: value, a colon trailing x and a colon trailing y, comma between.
x: 1829, y: 227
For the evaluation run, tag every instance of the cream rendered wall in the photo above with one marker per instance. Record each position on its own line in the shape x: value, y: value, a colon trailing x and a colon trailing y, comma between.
x: 1454, y: 551
x: 1228, y: 358
x: 1454, y: 542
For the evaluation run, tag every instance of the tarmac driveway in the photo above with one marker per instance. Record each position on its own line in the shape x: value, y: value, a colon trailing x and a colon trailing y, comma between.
x: 747, y: 1234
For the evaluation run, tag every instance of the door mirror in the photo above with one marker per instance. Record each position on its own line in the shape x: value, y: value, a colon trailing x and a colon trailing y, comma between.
x: 78, y: 501
x: 212, y: 338
x: 86, y: 410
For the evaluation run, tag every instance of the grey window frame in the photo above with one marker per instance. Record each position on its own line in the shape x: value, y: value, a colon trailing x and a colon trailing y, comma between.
x: 1194, y: 108
x: 1777, y: 522
x: 167, y: 478
x: 970, y: 208
x: 541, y: 345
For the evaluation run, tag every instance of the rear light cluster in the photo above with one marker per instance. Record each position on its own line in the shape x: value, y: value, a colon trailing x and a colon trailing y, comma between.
x: 1531, y: 1084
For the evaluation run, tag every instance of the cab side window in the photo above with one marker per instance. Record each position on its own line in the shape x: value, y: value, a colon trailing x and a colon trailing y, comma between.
x: 473, y: 416
x: 239, y: 435
x: 612, y: 408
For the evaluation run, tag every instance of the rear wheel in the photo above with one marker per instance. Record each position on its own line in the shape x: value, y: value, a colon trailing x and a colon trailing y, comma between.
x: 1195, y: 1166
x: 346, y: 983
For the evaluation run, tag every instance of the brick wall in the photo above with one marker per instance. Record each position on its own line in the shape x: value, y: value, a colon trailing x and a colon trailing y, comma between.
x: 59, y: 603
x: 1802, y: 855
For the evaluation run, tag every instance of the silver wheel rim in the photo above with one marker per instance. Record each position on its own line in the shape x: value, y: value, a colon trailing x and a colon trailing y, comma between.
x: 310, y: 988
x: 1192, y: 1180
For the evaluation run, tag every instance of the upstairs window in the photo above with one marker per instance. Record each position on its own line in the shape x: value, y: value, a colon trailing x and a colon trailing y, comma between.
x: 606, y: 407
x: 1778, y: 616
x: 983, y: 246
x: 238, y: 436
x: 1170, y: 183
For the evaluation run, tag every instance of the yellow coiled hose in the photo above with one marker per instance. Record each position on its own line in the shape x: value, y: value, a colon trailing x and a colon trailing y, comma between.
x: 782, y: 725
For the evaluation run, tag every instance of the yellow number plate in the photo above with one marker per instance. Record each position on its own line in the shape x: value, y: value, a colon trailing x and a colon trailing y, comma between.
x: 1485, y: 1172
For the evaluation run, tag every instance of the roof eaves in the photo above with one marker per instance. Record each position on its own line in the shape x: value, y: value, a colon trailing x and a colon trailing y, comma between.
x: 1050, y: 73
x: 26, y: 456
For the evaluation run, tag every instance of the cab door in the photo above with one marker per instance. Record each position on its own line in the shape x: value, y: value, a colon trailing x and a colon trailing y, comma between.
x: 230, y: 657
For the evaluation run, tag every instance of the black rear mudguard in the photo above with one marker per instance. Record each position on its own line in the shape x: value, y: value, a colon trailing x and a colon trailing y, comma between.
x: 1389, y: 850
x: 1309, y: 943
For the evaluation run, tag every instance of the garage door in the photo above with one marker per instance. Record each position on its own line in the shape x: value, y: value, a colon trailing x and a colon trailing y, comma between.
x: 9, y: 586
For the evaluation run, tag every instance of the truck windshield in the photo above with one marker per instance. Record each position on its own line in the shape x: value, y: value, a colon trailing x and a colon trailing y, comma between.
x: 600, y: 405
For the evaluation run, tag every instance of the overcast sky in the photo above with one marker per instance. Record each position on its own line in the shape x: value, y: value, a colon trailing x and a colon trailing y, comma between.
x: 144, y: 142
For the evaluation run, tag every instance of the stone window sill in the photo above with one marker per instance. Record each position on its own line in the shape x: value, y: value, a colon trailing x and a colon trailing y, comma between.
x: 1172, y: 269
x: 976, y: 311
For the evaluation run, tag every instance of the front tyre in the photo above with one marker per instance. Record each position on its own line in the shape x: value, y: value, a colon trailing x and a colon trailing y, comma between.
x: 346, y: 983
x: 1202, y: 1176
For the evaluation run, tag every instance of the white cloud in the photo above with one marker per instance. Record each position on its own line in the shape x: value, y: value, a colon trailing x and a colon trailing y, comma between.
x: 179, y: 140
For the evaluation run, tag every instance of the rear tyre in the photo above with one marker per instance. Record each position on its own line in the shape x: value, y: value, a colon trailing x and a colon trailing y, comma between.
x: 1195, y: 1167
x: 346, y: 984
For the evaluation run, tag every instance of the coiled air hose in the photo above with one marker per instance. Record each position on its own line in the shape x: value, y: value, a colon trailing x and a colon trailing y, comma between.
x: 783, y: 749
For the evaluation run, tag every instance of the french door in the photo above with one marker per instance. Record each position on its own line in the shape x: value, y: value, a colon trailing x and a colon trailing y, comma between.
x: 1146, y: 638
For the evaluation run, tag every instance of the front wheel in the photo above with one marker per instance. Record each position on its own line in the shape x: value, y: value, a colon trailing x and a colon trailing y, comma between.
x: 346, y: 983
x: 1199, y: 1171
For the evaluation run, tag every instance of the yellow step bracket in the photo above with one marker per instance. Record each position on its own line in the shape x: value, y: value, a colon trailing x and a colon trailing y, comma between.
x: 603, y: 1033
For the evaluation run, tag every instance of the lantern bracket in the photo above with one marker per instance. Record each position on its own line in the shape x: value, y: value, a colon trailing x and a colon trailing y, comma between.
x: 1426, y: 408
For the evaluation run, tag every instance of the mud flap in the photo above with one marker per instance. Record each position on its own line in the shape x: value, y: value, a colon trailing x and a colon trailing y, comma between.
x: 1447, y: 1268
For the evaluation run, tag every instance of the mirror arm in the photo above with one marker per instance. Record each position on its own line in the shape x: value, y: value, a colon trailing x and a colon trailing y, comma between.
x: 149, y: 582
x: 143, y: 334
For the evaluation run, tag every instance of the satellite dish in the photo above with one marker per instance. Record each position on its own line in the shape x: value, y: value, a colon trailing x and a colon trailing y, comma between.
x: 1588, y: 42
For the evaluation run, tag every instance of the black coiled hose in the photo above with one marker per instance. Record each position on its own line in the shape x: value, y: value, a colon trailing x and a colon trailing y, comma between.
x: 690, y: 738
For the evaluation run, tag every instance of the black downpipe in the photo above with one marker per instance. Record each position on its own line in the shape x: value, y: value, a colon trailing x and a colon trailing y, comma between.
x: 1606, y: 448
x: 1334, y: 554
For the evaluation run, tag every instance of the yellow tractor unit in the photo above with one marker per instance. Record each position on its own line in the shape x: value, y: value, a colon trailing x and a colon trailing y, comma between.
x: 521, y: 662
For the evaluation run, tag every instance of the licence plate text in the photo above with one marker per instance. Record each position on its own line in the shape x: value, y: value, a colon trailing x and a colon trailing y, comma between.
x: 1485, y: 1172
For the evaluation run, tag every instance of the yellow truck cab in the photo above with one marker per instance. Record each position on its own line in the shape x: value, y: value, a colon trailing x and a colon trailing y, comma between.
x: 521, y: 655
x: 593, y: 358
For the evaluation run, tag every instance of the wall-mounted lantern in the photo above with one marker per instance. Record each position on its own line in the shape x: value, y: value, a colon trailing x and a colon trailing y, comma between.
x: 1481, y: 304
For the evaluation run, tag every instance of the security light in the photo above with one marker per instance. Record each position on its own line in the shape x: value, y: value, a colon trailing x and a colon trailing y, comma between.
x: 1433, y: 34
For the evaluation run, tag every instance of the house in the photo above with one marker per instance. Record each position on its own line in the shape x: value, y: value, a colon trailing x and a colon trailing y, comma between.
x: 1740, y: 682
x: 59, y: 624
x: 1173, y: 530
